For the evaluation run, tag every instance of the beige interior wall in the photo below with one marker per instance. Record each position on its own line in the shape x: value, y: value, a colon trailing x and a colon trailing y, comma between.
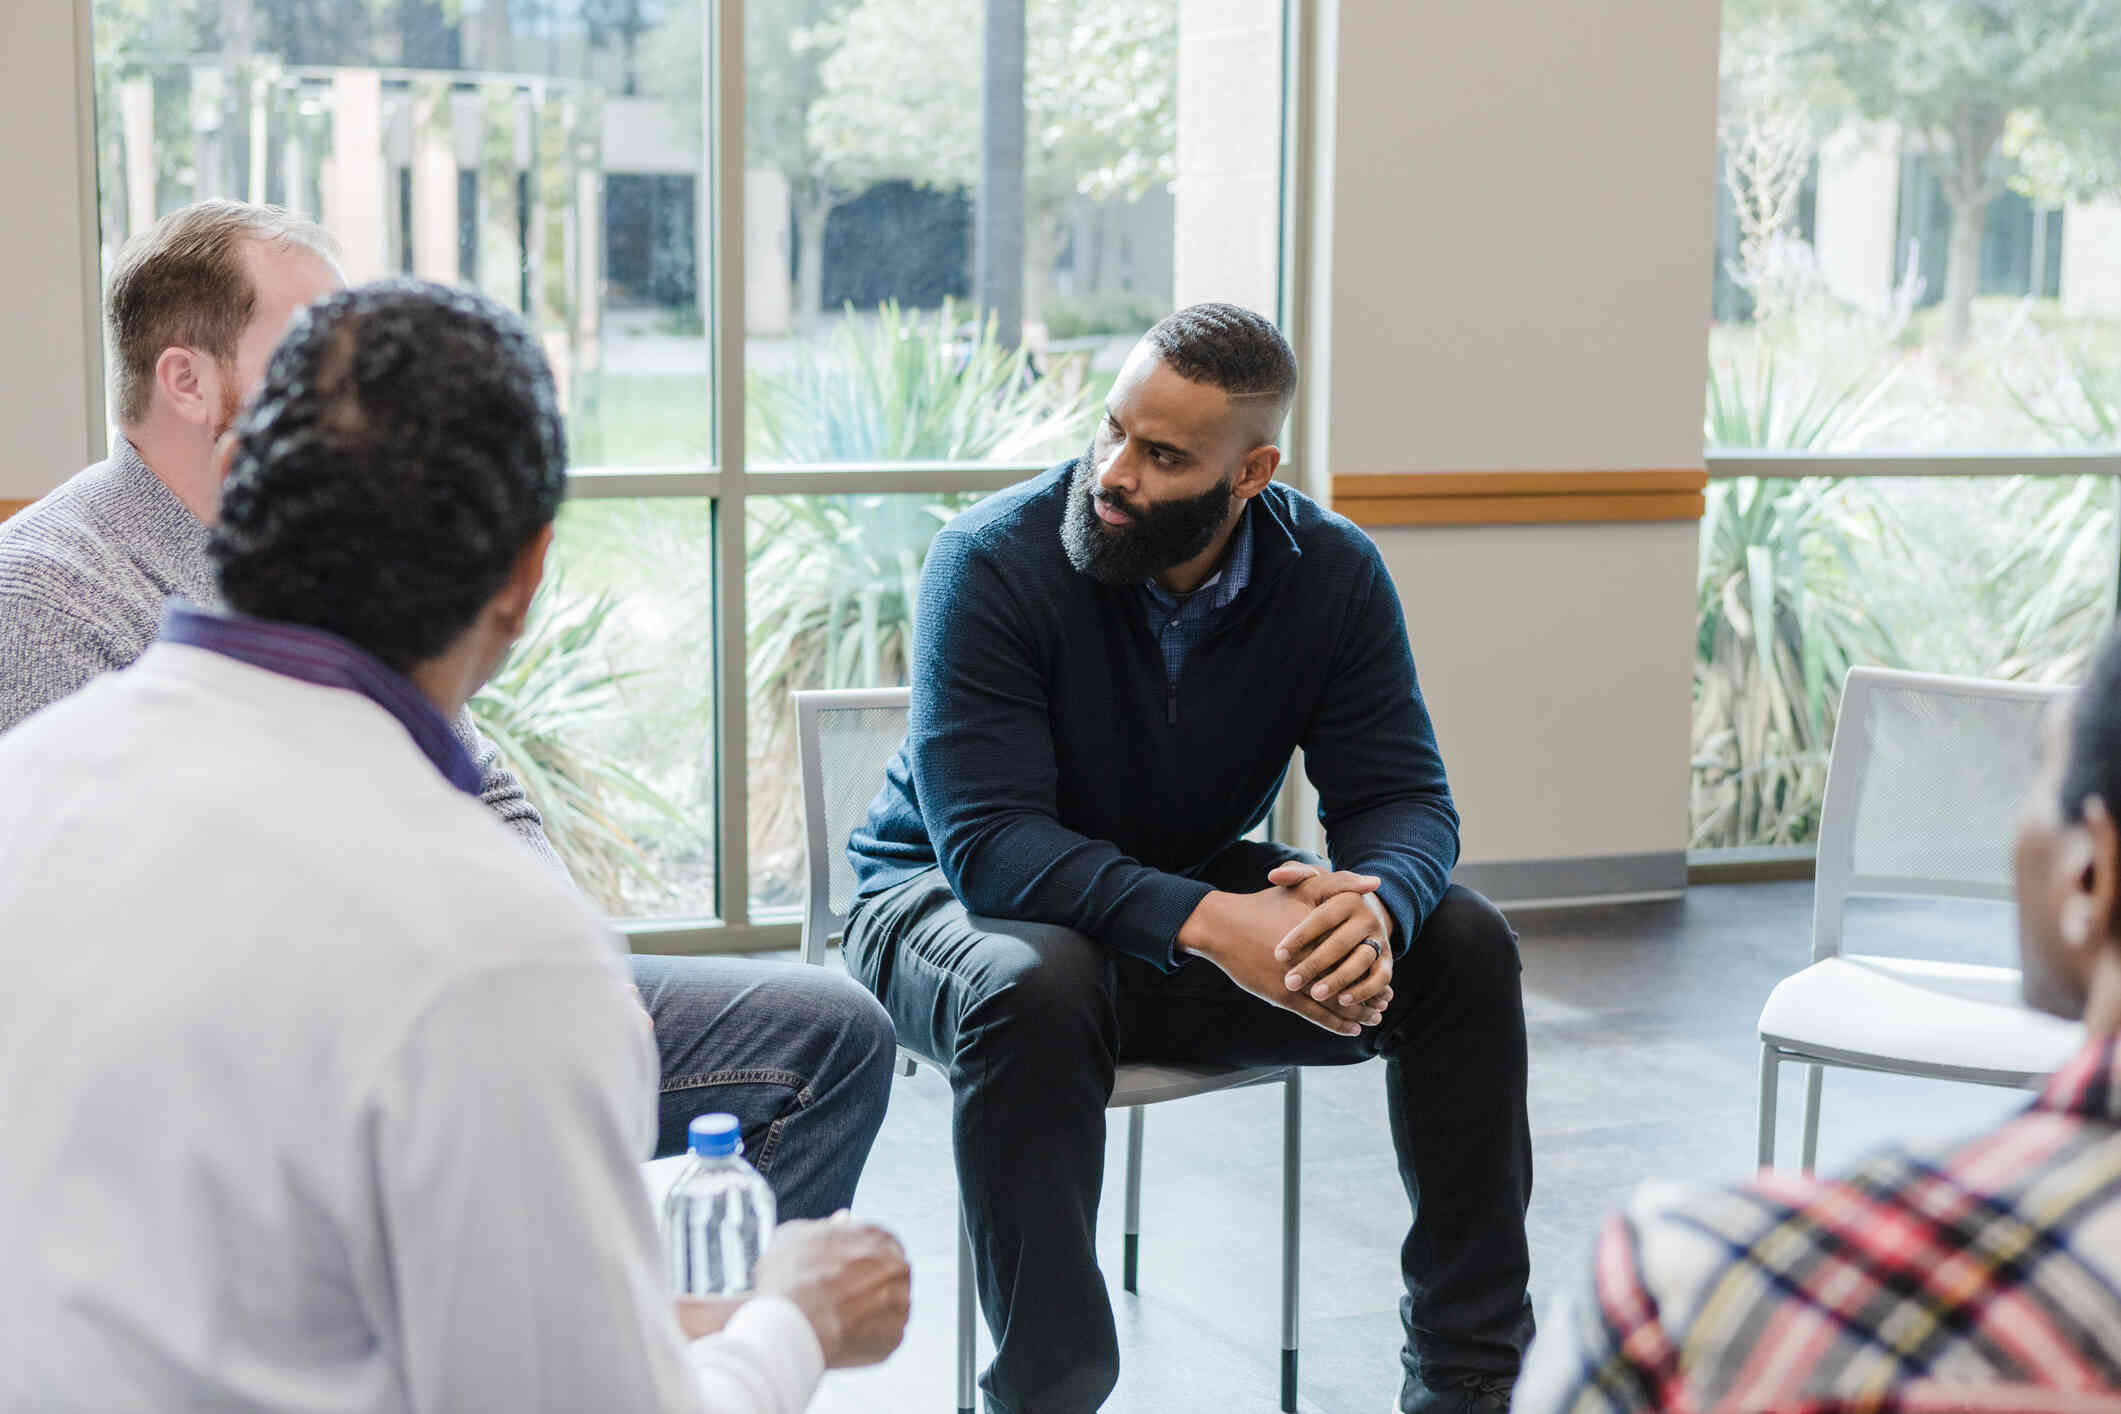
x: 1556, y: 662
x: 1511, y: 272
x: 48, y: 248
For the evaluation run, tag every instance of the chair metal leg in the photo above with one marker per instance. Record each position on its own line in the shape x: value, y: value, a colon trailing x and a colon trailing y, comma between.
x: 967, y: 1332
x: 1811, y: 1114
x: 1131, y: 1263
x: 1770, y: 1076
x: 1292, y: 1124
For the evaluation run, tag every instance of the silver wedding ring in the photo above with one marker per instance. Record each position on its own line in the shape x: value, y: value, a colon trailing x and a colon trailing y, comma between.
x: 1375, y: 946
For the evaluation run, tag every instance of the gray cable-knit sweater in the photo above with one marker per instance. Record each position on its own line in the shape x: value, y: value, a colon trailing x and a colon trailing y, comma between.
x: 83, y: 574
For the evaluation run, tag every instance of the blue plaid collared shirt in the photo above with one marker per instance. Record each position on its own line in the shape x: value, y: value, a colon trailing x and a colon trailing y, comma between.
x: 1181, y: 623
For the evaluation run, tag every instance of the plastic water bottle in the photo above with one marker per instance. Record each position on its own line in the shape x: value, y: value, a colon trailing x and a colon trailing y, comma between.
x: 719, y: 1214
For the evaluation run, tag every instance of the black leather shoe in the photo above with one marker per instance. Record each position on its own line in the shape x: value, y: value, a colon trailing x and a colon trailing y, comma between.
x: 1458, y: 1392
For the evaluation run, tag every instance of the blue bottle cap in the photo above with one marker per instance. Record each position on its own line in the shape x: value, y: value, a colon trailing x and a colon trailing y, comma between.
x: 716, y: 1136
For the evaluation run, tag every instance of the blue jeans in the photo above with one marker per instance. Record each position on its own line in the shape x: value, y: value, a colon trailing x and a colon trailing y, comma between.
x: 801, y: 1056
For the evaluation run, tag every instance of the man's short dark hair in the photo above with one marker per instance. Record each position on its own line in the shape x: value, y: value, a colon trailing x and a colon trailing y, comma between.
x: 403, y: 451
x: 1229, y: 347
x: 2094, y: 766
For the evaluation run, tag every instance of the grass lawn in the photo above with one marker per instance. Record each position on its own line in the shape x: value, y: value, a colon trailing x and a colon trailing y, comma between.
x: 643, y: 419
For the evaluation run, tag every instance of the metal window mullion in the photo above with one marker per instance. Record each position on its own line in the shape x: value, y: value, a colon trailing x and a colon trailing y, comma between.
x: 1297, y: 150
x: 725, y: 140
x: 779, y: 472
x: 625, y: 483
x: 869, y: 481
x: 1293, y: 818
x: 686, y: 938
x: 628, y: 483
x: 90, y: 249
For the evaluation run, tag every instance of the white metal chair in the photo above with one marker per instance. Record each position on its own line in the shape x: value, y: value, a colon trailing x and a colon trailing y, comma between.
x: 844, y: 739
x: 1926, y: 778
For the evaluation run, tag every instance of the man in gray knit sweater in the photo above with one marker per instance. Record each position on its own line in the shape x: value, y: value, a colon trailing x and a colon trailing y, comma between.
x: 195, y: 307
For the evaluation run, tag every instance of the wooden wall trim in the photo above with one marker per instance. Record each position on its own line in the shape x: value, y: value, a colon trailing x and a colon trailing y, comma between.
x: 1519, y: 497
x: 8, y: 508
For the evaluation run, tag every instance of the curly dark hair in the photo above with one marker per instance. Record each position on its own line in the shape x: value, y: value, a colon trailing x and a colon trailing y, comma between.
x: 2093, y: 766
x: 404, y: 448
x: 1229, y: 347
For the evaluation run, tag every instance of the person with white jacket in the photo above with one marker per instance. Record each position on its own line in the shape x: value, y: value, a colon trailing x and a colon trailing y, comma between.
x: 340, y: 1109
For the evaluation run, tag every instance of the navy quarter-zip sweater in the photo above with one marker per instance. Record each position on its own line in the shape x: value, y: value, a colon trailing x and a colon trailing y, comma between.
x: 1055, y: 777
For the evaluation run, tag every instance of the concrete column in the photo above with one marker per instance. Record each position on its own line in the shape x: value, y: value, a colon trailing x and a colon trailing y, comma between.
x: 434, y: 187
x: 500, y: 159
x: 1858, y: 212
x: 294, y: 173
x: 259, y: 87
x: 210, y: 174
x: 768, y: 299
x: 589, y: 260
x: 354, y: 204
x: 998, y: 243
x: 536, y: 147
x: 136, y: 117
x: 2091, y: 259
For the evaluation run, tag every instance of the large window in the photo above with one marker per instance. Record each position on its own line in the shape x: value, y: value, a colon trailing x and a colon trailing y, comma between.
x: 813, y: 275
x: 1913, y: 410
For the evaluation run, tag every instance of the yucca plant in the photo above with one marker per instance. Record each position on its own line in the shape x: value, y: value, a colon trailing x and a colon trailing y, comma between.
x: 2053, y: 593
x: 2089, y: 412
x: 1764, y: 409
x: 2057, y: 583
x: 903, y: 386
x: 840, y: 574
x: 833, y: 578
x: 1779, y: 618
x: 544, y: 710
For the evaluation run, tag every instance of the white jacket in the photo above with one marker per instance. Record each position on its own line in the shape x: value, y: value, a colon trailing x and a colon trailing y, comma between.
x: 323, y: 1095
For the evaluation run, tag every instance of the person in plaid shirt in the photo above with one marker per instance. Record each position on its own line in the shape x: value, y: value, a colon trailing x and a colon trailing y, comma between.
x: 1985, y: 1276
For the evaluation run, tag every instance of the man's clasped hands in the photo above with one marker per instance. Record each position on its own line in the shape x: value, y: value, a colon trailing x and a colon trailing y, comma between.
x: 1317, y: 943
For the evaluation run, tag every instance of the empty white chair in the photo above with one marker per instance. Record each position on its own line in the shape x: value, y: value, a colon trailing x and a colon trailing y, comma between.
x: 1922, y: 793
x: 844, y: 740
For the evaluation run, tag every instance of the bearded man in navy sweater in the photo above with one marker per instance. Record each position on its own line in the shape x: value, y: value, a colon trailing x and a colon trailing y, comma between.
x: 1113, y: 666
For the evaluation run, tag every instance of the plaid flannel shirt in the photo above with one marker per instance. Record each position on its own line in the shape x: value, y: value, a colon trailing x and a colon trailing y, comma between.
x: 1986, y: 1277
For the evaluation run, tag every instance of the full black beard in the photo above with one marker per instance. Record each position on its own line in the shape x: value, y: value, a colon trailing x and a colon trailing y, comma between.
x: 1167, y: 535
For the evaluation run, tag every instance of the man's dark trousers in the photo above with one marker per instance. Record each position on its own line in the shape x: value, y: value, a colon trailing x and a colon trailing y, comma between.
x: 1030, y: 1020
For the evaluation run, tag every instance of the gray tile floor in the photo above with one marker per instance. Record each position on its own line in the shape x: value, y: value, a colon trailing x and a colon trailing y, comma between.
x: 1643, y: 1062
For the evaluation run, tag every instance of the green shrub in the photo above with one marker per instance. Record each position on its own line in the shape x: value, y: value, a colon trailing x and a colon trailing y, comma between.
x: 544, y: 710
x: 833, y: 579
x: 1761, y: 408
x: 2081, y: 404
x: 1087, y: 316
x: 1779, y: 620
x: 902, y: 386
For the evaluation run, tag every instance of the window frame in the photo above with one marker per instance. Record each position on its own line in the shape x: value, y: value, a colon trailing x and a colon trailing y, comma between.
x: 725, y: 479
x: 728, y: 481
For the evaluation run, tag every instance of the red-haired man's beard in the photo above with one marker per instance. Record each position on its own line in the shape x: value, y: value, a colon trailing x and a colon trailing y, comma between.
x: 231, y: 404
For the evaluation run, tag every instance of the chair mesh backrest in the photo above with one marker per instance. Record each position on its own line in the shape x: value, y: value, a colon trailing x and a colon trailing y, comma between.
x: 1940, y: 776
x: 854, y: 744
